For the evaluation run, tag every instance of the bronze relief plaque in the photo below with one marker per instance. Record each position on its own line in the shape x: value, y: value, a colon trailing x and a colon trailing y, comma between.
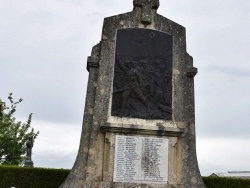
x: 142, y: 83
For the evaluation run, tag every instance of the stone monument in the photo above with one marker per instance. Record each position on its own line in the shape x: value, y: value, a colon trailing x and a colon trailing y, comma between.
x: 139, y: 120
x: 28, y: 160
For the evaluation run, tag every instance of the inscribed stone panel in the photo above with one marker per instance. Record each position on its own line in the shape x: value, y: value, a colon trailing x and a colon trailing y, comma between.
x: 141, y: 159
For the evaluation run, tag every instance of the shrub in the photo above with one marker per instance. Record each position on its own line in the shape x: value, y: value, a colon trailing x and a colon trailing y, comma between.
x: 22, y: 177
x: 218, y: 182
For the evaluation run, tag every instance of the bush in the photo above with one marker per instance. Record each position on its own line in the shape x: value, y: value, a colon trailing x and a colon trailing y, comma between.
x: 22, y: 177
x: 218, y: 182
x: 14, y: 134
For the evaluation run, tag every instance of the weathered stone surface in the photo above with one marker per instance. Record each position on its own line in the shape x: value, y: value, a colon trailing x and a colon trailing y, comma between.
x: 94, y: 166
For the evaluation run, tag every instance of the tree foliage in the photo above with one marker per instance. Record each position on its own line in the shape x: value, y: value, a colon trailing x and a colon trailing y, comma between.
x: 13, y: 134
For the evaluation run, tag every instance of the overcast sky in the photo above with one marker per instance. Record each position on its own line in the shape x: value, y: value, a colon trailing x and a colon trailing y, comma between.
x: 44, y: 46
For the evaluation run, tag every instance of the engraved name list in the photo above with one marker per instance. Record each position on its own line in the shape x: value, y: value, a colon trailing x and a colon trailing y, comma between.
x: 141, y: 159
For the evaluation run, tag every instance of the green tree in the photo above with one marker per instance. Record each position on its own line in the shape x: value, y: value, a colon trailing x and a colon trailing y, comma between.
x: 13, y: 134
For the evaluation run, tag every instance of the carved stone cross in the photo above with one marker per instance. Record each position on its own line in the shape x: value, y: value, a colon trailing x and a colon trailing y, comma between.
x: 147, y: 6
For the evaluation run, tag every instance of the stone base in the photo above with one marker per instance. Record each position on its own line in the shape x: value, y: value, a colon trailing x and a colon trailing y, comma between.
x: 28, y: 164
x: 128, y: 185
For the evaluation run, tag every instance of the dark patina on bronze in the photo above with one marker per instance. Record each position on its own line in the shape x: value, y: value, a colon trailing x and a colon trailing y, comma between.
x: 142, y: 85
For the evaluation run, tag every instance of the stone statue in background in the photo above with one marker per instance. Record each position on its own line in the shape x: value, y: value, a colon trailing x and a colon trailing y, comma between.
x: 29, y: 146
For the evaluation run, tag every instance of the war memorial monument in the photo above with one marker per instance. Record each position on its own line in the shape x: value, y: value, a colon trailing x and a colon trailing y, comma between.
x: 139, y: 121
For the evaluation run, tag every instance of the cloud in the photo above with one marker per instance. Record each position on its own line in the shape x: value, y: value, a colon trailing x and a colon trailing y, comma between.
x: 222, y: 155
x: 222, y: 104
x: 57, y: 144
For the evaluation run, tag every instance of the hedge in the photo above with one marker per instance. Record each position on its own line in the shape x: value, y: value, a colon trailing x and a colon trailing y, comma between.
x: 218, y: 182
x: 20, y: 177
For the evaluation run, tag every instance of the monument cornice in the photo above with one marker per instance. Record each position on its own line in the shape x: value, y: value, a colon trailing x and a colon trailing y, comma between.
x: 159, y: 130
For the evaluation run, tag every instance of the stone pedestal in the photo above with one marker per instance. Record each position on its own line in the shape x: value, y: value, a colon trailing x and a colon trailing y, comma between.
x: 139, y: 121
x: 28, y: 163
